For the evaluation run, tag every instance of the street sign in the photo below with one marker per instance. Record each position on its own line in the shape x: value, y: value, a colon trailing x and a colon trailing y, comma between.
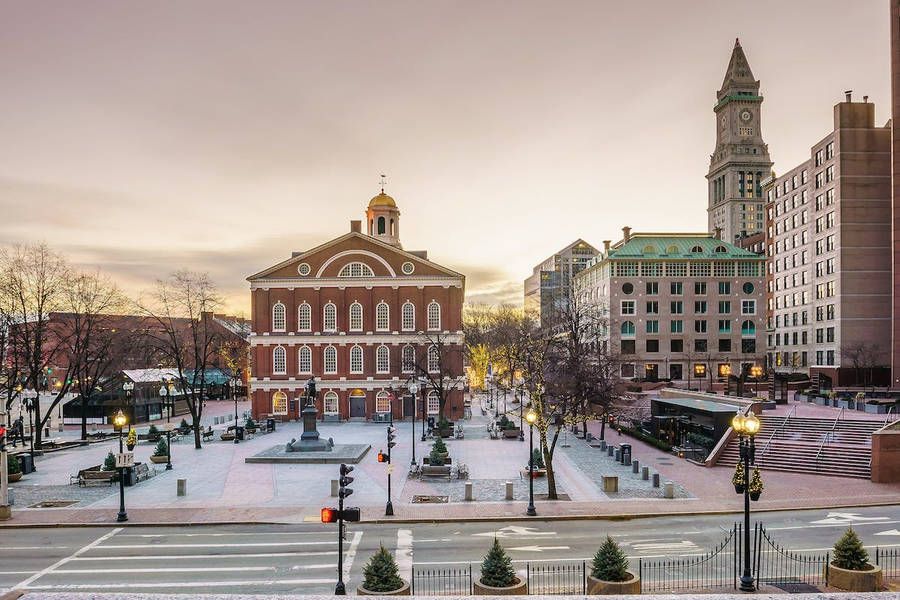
x: 124, y: 460
x: 390, y: 469
x: 170, y: 426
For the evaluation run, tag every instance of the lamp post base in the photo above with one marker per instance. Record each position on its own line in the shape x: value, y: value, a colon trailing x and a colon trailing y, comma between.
x: 532, y: 511
x: 389, y: 509
x: 123, y: 516
x: 339, y: 589
x: 747, y: 583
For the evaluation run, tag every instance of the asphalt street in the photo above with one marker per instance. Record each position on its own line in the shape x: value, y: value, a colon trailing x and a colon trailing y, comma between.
x: 302, y: 558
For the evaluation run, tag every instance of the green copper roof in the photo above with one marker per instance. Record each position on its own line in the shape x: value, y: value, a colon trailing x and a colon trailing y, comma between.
x: 668, y: 247
x: 724, y: 100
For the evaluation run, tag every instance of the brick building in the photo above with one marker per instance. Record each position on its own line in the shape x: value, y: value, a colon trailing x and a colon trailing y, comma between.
x: 362, y: 315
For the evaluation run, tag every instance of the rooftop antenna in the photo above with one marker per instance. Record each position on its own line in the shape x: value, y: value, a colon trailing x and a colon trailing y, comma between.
x: 382, y: 182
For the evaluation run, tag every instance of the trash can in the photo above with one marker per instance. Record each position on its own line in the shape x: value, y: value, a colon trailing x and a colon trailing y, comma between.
x: 239, y: 433
x: 626, y: 454
x: 26, y: 463
x: 270, y: 424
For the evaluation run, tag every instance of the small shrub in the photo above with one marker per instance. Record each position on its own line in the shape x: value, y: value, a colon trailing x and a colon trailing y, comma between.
x: 109, y: 464
x: 849, y: 552
x: 444, y: 423
x: 162, y: 449
x: 756, y: 484
x: 634, y: 388
x: 12, y: 464
x: 435, y: 459
x: 381, y: 573
x: 664, y: 446
x: 153, y: 430
x: 703, y: 441
x: 131, y: 440
x: 250, y: 424
x: 496, y: 568
x: 738, y: 477
x: 504, y: 421
x: 538, y: 459
x: 439, y: 445
x: 610, y: 563
x: 184, y: 424
x: 511, y: 426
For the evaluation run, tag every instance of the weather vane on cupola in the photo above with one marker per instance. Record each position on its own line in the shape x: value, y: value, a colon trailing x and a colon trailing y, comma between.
x: 383, y: 182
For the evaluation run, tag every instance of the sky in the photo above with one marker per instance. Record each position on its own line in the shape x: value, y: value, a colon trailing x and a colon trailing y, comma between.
x: 221, y: 135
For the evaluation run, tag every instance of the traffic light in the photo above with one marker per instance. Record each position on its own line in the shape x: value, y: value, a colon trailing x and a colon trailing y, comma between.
x: 330, y: 515
x: 344, y: 481
x: 2, y: 439
x: 391, y: 435
x: 382, y: 457
x: 351, y: 514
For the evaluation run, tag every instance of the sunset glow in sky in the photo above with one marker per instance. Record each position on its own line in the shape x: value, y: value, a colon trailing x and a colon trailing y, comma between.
x: 220, y: 135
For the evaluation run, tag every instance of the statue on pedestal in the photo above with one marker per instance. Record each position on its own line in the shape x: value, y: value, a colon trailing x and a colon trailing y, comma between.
x: 309, y: 440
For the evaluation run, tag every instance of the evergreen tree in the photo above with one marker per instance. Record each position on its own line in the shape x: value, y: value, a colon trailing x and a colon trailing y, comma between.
x: 435, y: 459
x: 12, y: 464
x: 538, y: 459
x: 381, y: 573
x: 439, y: 445
x: 162, y: 449
x: 610, y: 563
x: 496, y: 569
x: 110, y: 463
x: 849, y: 552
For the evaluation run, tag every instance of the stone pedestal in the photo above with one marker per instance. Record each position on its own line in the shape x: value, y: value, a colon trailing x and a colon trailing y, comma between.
x: 309, y: 440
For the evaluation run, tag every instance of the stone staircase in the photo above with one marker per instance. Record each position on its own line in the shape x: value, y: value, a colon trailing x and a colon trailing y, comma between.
x: 797, y: 446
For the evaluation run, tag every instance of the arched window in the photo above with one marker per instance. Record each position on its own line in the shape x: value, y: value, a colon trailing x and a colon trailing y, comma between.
x: 649, y: 249
x: 382, y: 316
x: 279, y: 361
x: 627, y: 329
x: 356, y: 269
x: 329, y: 317
x: 748, y: 328
x: 393, y: 229
x: 382, y: 402
x: 434, y: 316
x: 279, y: 403
x: 434, y: 403
x: 409, y: 358
x: 330, y: 404
x: 672, y: 250
x: 381, y: 228
x: 721, y: 250
x: 434, y: 360
x: 304, y: 360
x: 382, y: 359
x: 356, y: 317
x: 408, y: 313
x: 696, y: 250
x: 356, y: 359
x: 278, y: 317
x: 304, y: 317
x: 330, y: 360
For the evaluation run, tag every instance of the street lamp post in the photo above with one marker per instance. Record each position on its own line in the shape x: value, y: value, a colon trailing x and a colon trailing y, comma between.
x: 746, y: 428
x: 163, y: 392
x: 531, y: 417
x: 700, y: 372
x: 234, y: 395
x: 413, y: 388
x: 424, y: 408
x: 29, y: 408
x: 119, y: 421
x: 756, y: 371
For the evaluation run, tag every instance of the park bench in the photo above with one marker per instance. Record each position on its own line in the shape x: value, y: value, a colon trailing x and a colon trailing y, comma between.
x: 429, y: 471
x: 89, y: 477
x: 208, y: 434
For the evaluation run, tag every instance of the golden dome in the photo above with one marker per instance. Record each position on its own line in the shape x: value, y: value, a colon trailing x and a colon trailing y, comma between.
x: 382, y: 199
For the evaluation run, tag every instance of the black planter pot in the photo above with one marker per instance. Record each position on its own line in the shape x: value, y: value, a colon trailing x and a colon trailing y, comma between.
x: 738, y: 488
x: 755, y: 495
x: 130, y: 447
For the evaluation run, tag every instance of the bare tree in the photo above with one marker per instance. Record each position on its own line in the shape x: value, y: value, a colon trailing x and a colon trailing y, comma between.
x: 183, y: 334
x: 438, y: 364
x: 864, y: 358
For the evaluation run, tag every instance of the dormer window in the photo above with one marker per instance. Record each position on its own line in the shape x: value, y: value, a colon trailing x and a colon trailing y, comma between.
x: 721, y: 250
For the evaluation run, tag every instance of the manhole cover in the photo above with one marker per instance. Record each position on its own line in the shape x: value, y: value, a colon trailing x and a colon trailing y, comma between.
x: 430, y: 499
x: 53, y: 504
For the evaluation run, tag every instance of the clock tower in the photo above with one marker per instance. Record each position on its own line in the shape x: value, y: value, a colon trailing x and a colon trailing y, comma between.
x: 740, y: 161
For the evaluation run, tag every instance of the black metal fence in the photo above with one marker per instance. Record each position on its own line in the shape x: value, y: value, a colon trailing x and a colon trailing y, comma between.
x: 775, y: 565
x: 718, y: 568
x: 889, y: 561
x: 551, y: 579
x: 442, y: 582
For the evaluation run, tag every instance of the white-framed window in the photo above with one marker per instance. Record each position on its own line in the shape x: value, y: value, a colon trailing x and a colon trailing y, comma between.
x: 382, y: 316
x: 434, y: 360
x: 279, y: 360
x: 382, y: 359
x: 408, y: 315
x: 408, y: 358
x: 304, y: 317
x: 304, y: 359
x: 383, y: 402
x: 330, y: 360
x: 356, y: 359
x: 748, y: 307
x: 279, y: 403
x: 356, y: 317
x: 278, y: 317
x: 434, y: 403
x: 627, y: 307
x: 330, y: 403
x: 434, y: 316
x: 356, y: 269
x: 329, y: 317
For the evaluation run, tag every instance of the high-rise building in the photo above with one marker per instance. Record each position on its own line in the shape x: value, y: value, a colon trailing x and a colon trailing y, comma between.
x: 829, y: 260
x: 740, y: 160
x: 678, y: 300
x: 551, y: 280
x: 895, y: 201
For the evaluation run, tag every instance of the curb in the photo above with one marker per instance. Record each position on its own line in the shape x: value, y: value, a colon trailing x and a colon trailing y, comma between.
x: 505, y: 518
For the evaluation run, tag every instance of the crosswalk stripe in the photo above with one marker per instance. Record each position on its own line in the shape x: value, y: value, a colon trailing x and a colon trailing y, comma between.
x: 175, y: 584
x: 222, y: 534
x: 216, y: 556
x: 247, y: 545
x: 166, y: 569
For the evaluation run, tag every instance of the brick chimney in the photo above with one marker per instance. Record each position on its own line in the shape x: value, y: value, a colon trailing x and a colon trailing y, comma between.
x: 606, y: 244
x: 356, y: 226
x: 718, y: 233
x: 626, y: 233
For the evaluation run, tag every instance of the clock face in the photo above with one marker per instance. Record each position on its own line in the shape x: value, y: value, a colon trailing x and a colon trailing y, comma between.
x: 746, y: 115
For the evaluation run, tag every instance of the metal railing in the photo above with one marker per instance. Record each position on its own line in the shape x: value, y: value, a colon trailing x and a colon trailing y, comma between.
x: 720, y: 567
x: 442, y: 582
x: 889, y: 561
x: 775, y: 565
x: 777, y: 429
x: 887, y: 417
x: 829, y: 436
x: 546, y: 579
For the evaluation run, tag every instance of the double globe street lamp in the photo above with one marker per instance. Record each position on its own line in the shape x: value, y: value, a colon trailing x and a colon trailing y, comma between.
x: 120, y: 421
x: 413, y: 387
x: 746, y: 426
x: 163, y: 392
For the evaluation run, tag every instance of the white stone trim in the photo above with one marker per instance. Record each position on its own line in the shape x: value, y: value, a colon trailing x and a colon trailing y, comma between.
x: 364, y: 253
x: 325, y: 385
x: 315, y: 339
x: 388, y: 282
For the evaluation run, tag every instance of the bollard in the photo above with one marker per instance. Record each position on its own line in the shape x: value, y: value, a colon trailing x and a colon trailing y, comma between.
x: 645, y: 473
x: 335, y: 485
x: 635, y: 466
x: 609, y: 450
x: 656, y: 480
x: 626, y: 459
x: 509, y: 490
x: 588, y: 437
x: 11, y: 497
x: 182, y: 487
x: 670, y: 489
x: 469, y: 490
x: 618, y: 455
x: 603, y: 444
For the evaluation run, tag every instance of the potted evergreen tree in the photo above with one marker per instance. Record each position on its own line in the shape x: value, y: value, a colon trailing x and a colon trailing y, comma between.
x: 445, y: 427
x: 756, y: 485
x: 738, y: 478
x: 250, y: 426
x: 184, y: 427
x: 109, y: 463
x: 441, y: 448
x: 161, y: 452
x: 609, y: 572
x: 382, y: 577
x: 13, y: 468
x: 153, y: 434
x: 539, y: 467
x: 498, y: 578
x: 131, y: 439
x: 851, y: 570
